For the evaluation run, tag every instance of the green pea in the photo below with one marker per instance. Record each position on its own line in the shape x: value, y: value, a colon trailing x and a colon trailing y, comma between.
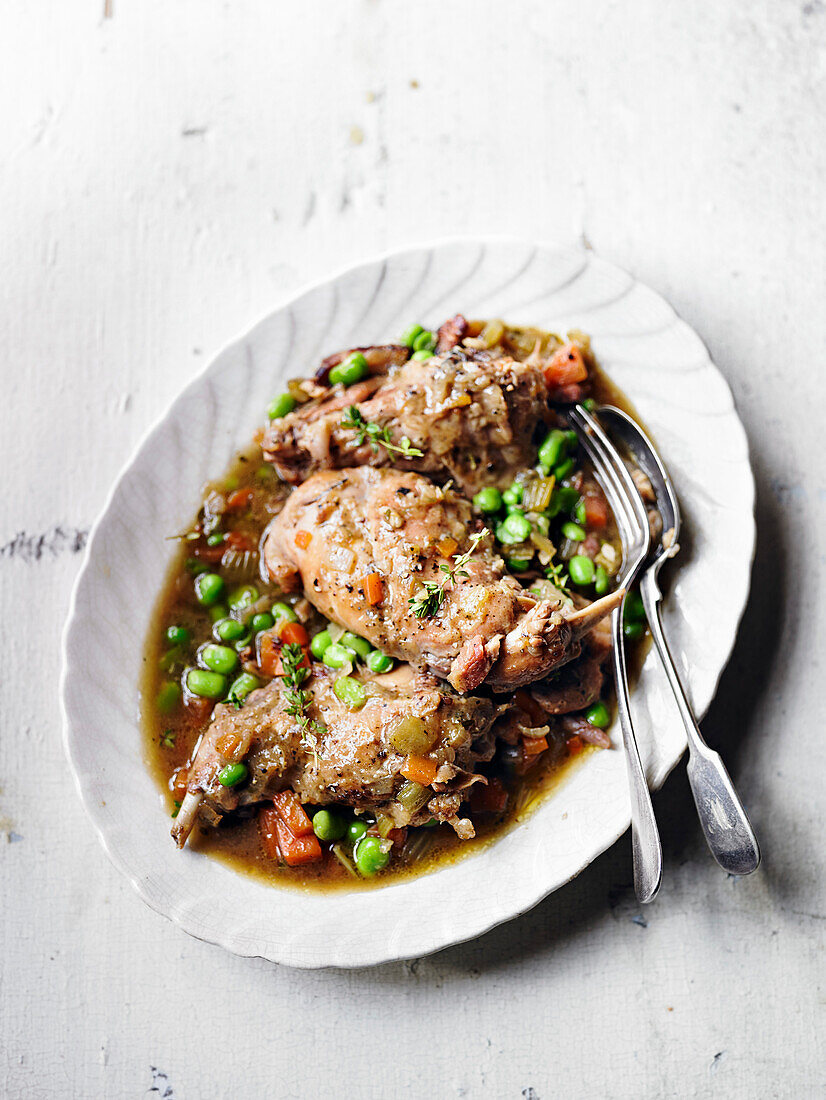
x: 218, y: 658
x: 262, y: 621
x: 241, y: 687
x: 168, y: 696
x: 232, y: 775
x: 229, y: 630
x: 488, y: 500
x: 517, y: 526
x: 409, y: 335
x: 573, y: 532
x: 518, y: 565
x: 171, y: 658
x: 320, y: 643
x: 421, y: 356
x: 563, y: 469
x: 281, y: 610
x: 633, y: 631
x: 580, y: 513
x: 370, y: 857
x: 328, y: 825
x: 209, y: 588
x: 551, y: 450
x: 601, y: 581
x: 336, y: 656
x: 177, y: 635
x: 571, y: 439
x: 193, y: 565
x: 581, y: 569
x: 589, y: 404
x: 425, y: 341
x: 216, y: 539
x: 243, y: 596
x: 567, y: 496
x: 512, y: 495
x: 218, y: 612
x: 208, y: 685
x: 378, y: 661
x: 281, y: 406
x: 354, y: 642
x: 598, y: 715
x: 243, y: 641
x: 356, y: 830
x: 350, y: 692
x: 353, y: 369
x: 633, y: 610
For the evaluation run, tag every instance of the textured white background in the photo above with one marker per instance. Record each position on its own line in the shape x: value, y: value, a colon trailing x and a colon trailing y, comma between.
x: 167, y: 175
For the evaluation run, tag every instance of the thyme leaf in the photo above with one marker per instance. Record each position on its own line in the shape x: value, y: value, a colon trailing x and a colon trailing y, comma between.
x: 368, y: 431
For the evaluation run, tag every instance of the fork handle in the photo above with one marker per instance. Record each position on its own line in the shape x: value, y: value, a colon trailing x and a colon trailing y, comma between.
x: 723, y: 818
x: 645, y: 839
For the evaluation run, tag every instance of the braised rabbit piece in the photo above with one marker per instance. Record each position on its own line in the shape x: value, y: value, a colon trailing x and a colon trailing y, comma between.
x: 465, y: 413
x: 344, y: 755
x: 402, y: 562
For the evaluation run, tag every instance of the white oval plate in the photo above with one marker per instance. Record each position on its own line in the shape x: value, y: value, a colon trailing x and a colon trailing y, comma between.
x: 665, y: 370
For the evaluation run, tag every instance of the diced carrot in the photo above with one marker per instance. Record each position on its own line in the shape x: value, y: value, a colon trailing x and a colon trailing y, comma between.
x: 575, y: 745
x: 462, y: 400
x: 267, y: 820
x: 293, y: 634
x: 239, y: 500
x: 236, y: 541
x: 296, y: 850
x: 178, y: 782
x: 488, y: 799
x: 596, y: 510
x: 302, y: 539
x: 373, y: 588
x: 419, y: 769
x: 197, y: 705
x: 532, y: 746
x: 269, y: 654
x: 565, y: 366
x: 290, y: 810
x: 447, y: 546
x: 228, y: 745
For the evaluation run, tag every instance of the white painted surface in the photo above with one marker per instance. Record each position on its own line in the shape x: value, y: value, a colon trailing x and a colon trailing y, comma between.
x: 165, y: 176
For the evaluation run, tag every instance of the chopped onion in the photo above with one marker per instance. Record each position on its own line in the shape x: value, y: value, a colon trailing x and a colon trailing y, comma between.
x: 342, y: 558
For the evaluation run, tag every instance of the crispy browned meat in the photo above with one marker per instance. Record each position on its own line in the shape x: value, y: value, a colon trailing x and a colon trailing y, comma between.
x: 355, y: 760
x: 473, y: 417
x: 483, y: 628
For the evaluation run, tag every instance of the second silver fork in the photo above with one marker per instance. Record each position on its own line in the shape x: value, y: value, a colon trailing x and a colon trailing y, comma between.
x: 632, y: 522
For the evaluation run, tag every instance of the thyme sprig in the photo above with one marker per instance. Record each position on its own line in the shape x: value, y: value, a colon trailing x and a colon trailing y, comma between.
x: 297, y: 699
x: 427, y: 602
x: 376, y: 435
x: 554, y: 573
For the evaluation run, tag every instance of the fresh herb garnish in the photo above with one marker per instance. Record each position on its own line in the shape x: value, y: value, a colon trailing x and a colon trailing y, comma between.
x: 177, y: 807
x: 297, y: 699
x: 369, y: 431
x: 168, y: 739
x: 427, y: 602
x: 554, y: 573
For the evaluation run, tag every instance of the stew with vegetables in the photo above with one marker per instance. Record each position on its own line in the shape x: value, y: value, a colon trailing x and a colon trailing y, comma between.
x: 385, y: 634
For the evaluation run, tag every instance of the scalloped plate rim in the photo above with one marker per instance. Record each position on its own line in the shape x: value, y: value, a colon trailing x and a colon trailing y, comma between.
x: 480, y: 927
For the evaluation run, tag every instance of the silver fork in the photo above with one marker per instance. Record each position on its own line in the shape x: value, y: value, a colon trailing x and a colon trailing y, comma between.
x: 632, y: 522
x: 725, y: 823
